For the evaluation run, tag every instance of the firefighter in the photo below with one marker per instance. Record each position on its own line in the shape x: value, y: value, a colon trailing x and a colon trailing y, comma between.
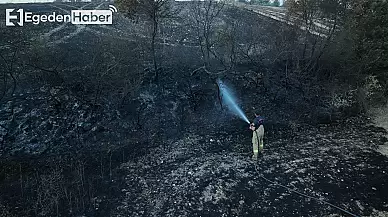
x: 257, y: 135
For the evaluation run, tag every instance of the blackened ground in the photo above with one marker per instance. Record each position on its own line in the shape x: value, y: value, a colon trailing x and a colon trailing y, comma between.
x: 213, y: 175
x: 171, y: 148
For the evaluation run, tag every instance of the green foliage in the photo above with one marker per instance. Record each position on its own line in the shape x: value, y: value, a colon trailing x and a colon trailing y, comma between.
x: 276, y: 3
x: 261, y: 2
x: 356, y: 48
x: 128, y: 7
x: 369, y: 25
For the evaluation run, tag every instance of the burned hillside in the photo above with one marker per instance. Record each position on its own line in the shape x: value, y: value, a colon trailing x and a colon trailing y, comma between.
x: 128, y: 119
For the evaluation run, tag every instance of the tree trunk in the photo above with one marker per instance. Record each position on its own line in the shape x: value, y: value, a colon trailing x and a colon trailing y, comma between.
x: 153, y: 50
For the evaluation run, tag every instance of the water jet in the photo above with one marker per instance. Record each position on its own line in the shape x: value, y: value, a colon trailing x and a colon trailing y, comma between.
x: 230, y: 101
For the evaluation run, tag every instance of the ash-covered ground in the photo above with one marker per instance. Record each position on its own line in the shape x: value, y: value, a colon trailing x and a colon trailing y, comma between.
x: 87, y: 132
x: 199, y: 176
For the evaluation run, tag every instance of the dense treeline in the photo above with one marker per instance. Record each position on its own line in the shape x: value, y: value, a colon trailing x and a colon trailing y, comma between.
x: 356, y: 47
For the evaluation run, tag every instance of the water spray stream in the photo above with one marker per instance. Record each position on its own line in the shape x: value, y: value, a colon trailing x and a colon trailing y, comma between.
x: 229, y: 100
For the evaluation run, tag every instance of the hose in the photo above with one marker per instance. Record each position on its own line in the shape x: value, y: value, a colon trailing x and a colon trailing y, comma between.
x: 303, y: 195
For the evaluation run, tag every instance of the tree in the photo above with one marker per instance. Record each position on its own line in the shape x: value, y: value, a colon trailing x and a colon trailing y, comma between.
x: 261, y: 2
x: 155, y: 11
x: 129, y: 7
x: 368, y: 28
x: 205, y: 14
x: 320, y: 20
x: 353, y: 49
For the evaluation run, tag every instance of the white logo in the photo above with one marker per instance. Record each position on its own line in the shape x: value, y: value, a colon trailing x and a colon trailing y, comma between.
x: 9, y: 17
x: 113, y: 9
x: 75, y: 17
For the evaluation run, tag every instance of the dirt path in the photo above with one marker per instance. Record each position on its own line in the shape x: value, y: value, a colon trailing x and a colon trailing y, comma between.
x: 48, y: 34
x: 65, y: 37
x: 280, y: 14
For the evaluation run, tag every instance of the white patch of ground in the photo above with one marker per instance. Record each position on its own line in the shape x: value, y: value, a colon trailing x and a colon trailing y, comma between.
x: 383, y: 149
x: 380, y: 119
x: 377, y: 213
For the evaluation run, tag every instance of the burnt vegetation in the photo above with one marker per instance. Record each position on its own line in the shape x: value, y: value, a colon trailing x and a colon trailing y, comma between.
x: 126, y: 119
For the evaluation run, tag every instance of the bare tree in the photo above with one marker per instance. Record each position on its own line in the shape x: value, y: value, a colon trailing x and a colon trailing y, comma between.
x: 129, y: 7
x: 204, y: 14
x: 155, y: 11
x: 320, y: 21
x: 8, y: 73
